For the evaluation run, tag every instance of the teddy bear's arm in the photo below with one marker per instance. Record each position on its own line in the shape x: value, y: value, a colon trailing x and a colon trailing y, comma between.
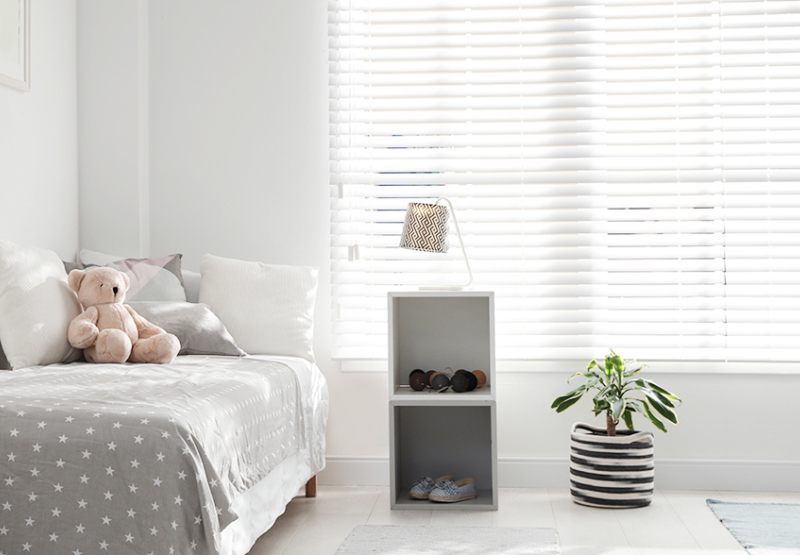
x: 83, y: 332
x: 145, y: 328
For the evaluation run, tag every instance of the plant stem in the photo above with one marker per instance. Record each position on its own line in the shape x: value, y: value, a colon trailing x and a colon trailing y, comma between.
x: 611, y: 427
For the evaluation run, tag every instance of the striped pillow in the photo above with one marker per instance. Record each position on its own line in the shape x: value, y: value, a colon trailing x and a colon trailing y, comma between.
x: 152, y: 279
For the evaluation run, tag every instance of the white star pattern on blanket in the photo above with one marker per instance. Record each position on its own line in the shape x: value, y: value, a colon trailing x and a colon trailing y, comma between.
x: 97, y: 477
x: 73, y: 480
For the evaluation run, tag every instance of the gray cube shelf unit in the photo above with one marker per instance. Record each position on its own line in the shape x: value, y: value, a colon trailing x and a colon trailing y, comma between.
x: 436, y: 434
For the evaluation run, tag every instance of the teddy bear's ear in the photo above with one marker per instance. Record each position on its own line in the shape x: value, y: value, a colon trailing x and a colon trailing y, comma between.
x: 127, y: 280
x: 75, y: 278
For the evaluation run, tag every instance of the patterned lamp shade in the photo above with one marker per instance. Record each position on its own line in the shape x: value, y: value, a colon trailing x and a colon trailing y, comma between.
x: 426, y: 228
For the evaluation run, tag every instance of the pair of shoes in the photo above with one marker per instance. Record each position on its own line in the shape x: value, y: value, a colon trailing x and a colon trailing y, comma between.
x: 444, y: 489
x: 449, y: 491
x: 423, y: 487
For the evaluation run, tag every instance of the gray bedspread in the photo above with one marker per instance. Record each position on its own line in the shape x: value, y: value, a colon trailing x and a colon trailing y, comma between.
x: 137, y: 459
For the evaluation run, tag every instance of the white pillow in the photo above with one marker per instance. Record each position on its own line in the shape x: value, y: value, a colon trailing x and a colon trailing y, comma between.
x: 36, y: 306
x: 267, y: 308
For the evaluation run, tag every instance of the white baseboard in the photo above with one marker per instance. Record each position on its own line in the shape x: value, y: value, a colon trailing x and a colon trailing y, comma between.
x: 694, y: 474
x: 355, y: 471
x: 728, y: 475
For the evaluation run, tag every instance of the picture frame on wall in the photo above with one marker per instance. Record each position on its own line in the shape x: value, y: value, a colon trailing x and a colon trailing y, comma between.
x: 15, y: 36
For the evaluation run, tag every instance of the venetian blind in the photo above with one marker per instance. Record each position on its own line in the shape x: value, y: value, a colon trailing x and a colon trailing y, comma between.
x: 626, y: 173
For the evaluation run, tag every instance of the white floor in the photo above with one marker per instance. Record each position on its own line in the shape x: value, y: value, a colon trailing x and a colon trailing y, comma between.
x: 676, y: 521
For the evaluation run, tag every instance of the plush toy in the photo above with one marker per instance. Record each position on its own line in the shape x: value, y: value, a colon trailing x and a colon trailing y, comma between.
x: 109, y: 331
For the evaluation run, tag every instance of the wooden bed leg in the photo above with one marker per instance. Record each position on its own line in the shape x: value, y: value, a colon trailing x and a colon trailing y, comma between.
x: 311, y: 487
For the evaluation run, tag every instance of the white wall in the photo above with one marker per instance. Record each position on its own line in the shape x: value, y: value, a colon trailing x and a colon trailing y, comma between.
x: 237, y: 157
x: 38, y: 138
x: 112, y: 108
x: 238, y: 147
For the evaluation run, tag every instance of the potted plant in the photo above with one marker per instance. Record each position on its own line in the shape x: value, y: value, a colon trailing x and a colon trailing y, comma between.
x: 614, y: 468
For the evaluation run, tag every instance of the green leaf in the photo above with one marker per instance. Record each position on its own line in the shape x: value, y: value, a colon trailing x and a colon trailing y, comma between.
x: 592, y: 364
x: 628, y: 386
x: 605, y: 391
x: 656, y: 422
x: 627, y: 416
x: 636, y: 405
x: 632, y: 368
x: 568, y: 403
x: 662, y: 410
x: 600, y: 406
x: 592, y: 384
x: 587, y: 375
x: 654, y: 386
x: 577, y: 392
x: 617, y: 363
x: 643, y: 385
x: 617, y: 408
x: 663, y: 399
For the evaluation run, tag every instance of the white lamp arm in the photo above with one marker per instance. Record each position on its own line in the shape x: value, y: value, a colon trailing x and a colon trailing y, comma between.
x: 460, y: 240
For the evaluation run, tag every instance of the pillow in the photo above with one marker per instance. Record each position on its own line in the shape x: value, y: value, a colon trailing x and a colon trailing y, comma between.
x: 268, y: 308
x: 36, y: 305
x: 196, y: 327
x: 94, y: 258
x: 4, y: 365
x: 152, y: 279
x: 69, y: 266
x: 191, y: 282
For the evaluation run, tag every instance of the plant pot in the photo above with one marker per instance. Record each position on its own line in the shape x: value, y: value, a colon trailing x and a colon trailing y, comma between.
x: 614, y: 472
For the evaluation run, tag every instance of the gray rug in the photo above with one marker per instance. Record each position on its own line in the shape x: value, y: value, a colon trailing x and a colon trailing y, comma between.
x: 761, y: 528
x: 447, y: 540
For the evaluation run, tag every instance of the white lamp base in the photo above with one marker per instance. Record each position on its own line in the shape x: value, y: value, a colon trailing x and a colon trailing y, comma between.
x: 443, y: 287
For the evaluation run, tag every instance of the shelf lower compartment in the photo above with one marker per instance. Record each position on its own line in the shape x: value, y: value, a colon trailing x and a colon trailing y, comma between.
x: 439, y: 440
x: 484, y: 502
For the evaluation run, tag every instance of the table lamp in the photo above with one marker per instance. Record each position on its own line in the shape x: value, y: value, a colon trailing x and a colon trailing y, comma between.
x: 426, y: 229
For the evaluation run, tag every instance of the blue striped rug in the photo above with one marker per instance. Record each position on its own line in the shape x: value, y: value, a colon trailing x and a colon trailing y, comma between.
x: 761, y: 528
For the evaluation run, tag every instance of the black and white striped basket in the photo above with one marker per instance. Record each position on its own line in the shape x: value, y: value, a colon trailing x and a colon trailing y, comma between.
x: 611, y: 472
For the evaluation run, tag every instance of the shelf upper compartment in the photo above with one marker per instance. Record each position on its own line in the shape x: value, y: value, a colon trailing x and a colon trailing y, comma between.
x: 436, y: 331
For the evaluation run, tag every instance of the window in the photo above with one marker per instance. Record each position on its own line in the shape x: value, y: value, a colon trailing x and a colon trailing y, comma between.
x: 625, y: 173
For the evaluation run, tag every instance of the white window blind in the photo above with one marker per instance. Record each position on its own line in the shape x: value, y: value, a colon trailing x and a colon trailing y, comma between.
x: 626, y: 173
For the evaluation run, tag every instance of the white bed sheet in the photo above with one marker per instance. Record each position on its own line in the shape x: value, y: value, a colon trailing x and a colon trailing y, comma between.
x: 260, y: 506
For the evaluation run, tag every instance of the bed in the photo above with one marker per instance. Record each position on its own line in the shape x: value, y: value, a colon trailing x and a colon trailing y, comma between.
x: 198, y: 456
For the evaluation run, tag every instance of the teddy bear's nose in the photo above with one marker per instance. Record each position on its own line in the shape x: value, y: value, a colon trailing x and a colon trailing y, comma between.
x: 115, y: 291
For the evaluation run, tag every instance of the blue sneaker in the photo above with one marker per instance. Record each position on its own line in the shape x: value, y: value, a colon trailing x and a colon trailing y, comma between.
x: 449, y: 491
x: 422, y: 487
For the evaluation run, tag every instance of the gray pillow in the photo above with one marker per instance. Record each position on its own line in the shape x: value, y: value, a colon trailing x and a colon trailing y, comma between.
x: 194, y: 324
x: 4, y: 365
x: 69, y: 266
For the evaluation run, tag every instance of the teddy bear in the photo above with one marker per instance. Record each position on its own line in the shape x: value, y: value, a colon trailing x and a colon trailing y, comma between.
x: 110, y: 331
